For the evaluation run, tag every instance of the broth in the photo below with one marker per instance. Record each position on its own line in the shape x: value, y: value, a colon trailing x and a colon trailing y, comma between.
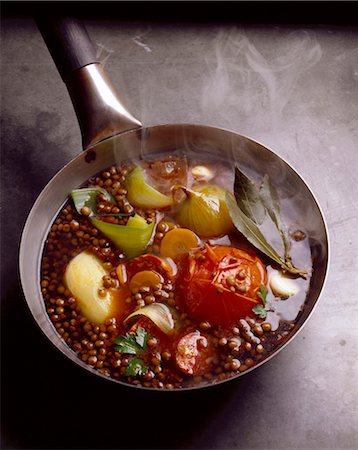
x: 179, y: 312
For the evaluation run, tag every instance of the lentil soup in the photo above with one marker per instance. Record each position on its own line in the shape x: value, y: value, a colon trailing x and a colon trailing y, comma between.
x: 147, y: 278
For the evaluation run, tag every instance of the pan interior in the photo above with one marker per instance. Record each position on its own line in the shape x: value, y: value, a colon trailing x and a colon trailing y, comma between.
x: 194, y: 141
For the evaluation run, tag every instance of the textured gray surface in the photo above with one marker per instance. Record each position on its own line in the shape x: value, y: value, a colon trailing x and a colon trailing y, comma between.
x: 294, y: 90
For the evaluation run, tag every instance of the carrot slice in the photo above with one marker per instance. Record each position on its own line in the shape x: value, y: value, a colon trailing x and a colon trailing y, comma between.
x: 147, y: 278
x: 178, y: 242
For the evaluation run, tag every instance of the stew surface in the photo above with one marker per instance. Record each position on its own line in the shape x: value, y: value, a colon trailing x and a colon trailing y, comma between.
x: 149, y: 277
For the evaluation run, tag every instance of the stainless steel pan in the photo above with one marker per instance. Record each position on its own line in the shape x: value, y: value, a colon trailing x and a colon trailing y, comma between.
x: 110, y: 134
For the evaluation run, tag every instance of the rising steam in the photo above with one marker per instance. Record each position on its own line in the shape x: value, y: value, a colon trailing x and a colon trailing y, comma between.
x: 241, y: 79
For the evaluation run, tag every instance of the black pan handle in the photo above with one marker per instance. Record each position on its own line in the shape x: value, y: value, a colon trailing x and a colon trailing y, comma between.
x: 100, y: 112
x: 68, y: 42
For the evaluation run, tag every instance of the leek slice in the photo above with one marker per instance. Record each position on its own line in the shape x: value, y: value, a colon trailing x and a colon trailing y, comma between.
x: 159, y: 313
x: 131, y: 238
x: 142, y: 195
x: 87, y: 197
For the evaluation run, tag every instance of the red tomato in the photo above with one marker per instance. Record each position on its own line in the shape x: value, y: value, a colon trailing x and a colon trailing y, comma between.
x: 219, y: 284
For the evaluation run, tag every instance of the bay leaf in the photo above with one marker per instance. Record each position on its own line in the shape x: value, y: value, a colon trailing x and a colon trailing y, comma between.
x: 253, y: 234
x: 270, y: 200
x: 250, y: 230
x: 248, y: 197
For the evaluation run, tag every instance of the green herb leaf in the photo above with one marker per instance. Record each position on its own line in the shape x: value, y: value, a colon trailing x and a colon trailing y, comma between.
x: 141, y: 337
x: 270, y: 200
x: 248, y: 197
x: 136, y: 366
x: 127, y: 344
x: 260, y: 311
x: 263, y: 294
x: 132, y: 343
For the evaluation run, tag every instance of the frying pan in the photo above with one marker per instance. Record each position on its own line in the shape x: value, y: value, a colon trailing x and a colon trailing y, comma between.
x: 111, y: 134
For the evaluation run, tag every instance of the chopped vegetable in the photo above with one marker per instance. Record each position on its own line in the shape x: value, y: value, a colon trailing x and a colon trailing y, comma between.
x: 142, y: 195
x: 177, y: 242
x: 219, y: 284
x: 205, y: 211
x: 87, y: 198
x: 132, y: 238
x: 132, y: 343
x: 159, y: 313
x: 282, y: 286
x: 145, y: 278
x: 83, y: 278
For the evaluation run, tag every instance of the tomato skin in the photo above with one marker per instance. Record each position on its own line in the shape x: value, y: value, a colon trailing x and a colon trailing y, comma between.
x: 205, y: 291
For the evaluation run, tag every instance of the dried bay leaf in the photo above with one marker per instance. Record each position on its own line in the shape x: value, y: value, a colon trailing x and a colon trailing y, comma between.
x: 250, y: 230
x: 246, y: 216
x: 270, y: 200
x: 248, y: 197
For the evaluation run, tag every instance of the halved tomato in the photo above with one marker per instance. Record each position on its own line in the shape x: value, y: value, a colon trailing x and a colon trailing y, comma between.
x: 219, y: 284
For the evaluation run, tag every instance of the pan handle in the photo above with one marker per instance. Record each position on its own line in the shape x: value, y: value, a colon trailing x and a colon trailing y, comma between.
x: 100, y: 112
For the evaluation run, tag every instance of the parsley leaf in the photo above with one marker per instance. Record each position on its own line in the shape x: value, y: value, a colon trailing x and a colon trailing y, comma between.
x: 141, y: 337
x: 260, y: 311
x: 132, y: 343
x: 136, y: 366
x: 263, y: 293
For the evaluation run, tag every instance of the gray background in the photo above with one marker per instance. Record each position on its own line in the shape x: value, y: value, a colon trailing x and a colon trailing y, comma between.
x: 293, y: 88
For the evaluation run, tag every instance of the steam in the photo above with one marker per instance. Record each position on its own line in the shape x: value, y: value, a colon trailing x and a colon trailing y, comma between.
x: 138, y: 40
x: 103, y: 53
x: 218, y: 76
x: 243, y: 81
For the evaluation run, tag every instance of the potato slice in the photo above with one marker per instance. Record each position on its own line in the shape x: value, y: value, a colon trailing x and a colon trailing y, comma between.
x: 83, y: 278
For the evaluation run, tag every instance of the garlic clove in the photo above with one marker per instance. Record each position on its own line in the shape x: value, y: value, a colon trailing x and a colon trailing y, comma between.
x: 202, y: 173
x: 281, y: 285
